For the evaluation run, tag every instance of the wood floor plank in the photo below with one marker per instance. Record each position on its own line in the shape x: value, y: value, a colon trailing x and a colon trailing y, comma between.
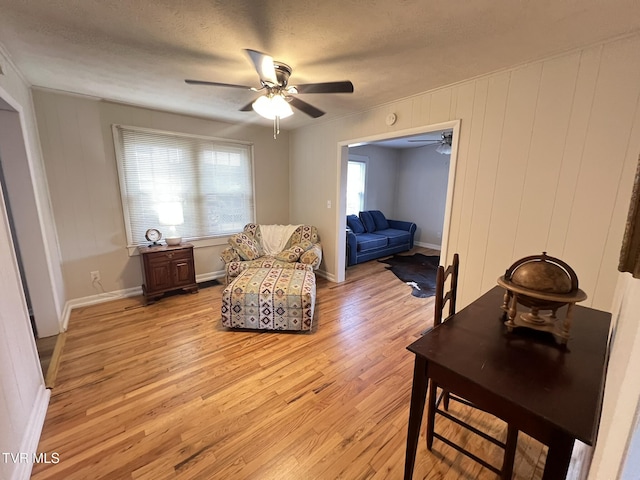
x: 164, y: 391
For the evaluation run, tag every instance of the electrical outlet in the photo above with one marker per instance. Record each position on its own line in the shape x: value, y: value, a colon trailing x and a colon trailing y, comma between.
x: 95, y: 276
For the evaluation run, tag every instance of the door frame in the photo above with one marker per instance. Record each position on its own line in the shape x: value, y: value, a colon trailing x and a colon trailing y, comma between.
x: 341, y: 200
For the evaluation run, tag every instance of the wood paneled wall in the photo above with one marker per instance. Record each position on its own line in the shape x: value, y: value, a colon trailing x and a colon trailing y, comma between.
x: 546, y: 156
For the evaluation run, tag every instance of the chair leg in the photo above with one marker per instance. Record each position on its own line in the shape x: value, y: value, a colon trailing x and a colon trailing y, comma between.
x: 431, y: 414
x: 510, y: 453
x: 445, y: 400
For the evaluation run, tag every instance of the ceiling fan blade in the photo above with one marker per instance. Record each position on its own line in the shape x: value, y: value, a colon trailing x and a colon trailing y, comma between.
x: 445, y: 138
x: 305, y: 107
x: 327, y: 87
x: 248, y: 107
x: 215, y: 84
x: 264, y: 66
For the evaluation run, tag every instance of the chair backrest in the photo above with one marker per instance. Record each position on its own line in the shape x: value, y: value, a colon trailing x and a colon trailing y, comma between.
x: 442, y: 297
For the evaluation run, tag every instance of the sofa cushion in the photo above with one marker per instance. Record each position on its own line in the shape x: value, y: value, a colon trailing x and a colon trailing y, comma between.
x: 379, y: 220
x: 254, y: 232
x: 305, y: 244
x: 370, y: 241
x: 241, y: 253
x: 368, y: 222
x: 313, y: 256
x: 291, y: 254
x: 355, y: 224
x: 246, y: 246
x: 303, y: 232
x: 236, y: 268
x: 395, y: 237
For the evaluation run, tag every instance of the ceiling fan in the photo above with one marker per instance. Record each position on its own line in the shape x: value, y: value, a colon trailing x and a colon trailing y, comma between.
x: 278, y: 95
x: 444, y: 143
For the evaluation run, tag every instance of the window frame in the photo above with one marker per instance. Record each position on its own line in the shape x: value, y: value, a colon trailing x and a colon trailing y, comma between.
x: 197, y: 242
x: 363, y: 159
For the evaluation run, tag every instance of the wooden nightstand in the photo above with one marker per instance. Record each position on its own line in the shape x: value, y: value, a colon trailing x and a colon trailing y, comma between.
x: 167, y: 268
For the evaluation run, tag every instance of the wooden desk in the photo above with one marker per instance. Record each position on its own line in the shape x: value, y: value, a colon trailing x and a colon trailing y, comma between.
x: 550, y: 392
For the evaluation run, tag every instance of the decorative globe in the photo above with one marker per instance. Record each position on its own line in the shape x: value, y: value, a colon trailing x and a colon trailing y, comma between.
x: 540, y: 282
x: 543, y: 276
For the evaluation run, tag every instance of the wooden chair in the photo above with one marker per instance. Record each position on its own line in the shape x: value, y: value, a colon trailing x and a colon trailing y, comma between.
x: 441, y: 298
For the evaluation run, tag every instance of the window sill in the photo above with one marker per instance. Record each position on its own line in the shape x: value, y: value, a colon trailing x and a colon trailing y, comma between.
x: 197, y: 243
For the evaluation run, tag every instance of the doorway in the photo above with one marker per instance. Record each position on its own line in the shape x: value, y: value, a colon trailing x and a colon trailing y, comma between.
x: 21, y: 205
x: 344, y: 149
x: 16, y: 247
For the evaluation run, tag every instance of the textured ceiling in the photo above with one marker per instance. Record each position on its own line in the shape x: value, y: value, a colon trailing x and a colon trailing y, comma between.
x: 140, y: 51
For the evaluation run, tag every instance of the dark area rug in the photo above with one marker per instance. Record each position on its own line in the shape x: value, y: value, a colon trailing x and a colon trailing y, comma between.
x: 417, y: 270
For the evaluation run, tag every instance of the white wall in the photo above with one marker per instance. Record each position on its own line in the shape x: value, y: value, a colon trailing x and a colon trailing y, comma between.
x: 622, y: 389
x: 546, y: 156
x: 23, y: 397
x: 29, y: 195
x: 82, y: 173
x: 381, y: 175
x: 422, y: 192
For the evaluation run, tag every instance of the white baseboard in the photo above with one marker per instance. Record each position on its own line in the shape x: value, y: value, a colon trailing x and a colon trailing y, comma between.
x: 32, y: 435
x: 428, y: 245
x: 207, y: 277
x: 118, y: 294
x: 94, y: 300
x: 327, y: 275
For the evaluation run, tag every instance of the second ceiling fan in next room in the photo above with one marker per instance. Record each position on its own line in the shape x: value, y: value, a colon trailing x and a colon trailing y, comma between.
x: 443, y: 143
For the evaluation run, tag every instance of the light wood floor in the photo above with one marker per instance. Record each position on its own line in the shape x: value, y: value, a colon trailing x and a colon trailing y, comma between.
x: 164, y: 391
x: 45, y: 348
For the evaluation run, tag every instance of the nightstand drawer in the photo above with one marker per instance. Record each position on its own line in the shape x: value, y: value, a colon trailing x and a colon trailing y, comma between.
x: 159, y: 257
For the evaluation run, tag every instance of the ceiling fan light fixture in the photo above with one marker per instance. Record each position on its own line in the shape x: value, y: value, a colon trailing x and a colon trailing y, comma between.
x: 444, y: 148
x: 272, y: 106
x: 279, y: 96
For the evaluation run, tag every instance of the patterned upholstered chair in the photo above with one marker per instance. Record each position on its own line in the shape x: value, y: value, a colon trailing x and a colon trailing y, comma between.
x: 270, y: 280
x: 301, y: 249
x: 270, y: 299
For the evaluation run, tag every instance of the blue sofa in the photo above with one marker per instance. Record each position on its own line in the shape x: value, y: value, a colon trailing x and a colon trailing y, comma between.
x: 370, y: 235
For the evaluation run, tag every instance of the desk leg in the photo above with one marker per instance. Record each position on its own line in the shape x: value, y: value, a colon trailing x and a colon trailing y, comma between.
x: 510, y: 452
x: 431, y: 413
x: 418, y: 394
x: 558, y: 457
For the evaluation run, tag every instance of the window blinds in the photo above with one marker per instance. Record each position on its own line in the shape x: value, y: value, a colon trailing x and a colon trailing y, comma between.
x: 189, y: 186
x: 356, y: 176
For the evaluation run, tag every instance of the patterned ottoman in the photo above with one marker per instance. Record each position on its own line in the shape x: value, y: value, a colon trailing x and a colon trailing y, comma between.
x: 270, y: 299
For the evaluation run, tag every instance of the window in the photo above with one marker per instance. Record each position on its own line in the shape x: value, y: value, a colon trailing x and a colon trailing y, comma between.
x: 356, y: 175
x: 196, y: 187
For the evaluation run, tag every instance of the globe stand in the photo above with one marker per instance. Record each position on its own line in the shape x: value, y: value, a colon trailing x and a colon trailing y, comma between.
x: 534, y: 318
x: 542, y: 283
